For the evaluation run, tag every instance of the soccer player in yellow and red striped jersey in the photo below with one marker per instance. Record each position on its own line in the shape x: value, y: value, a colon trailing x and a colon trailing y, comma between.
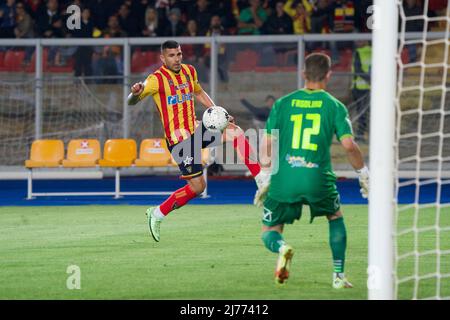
x: 174, y: 88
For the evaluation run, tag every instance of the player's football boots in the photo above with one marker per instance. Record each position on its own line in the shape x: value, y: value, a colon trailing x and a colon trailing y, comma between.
x: 283, y: 264
x: 154, y: 223
x: 341, y: 282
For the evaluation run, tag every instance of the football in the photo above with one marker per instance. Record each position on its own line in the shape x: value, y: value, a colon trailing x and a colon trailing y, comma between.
x: 215, y: 118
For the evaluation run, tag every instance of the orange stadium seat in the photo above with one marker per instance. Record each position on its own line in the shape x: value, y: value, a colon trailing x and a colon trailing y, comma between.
x: 45, y: 153
x: 82, y: 153
x: 153, y: 153
x: 118, y: 153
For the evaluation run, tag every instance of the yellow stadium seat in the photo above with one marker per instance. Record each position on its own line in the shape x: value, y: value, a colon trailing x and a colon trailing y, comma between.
x: 118, y: 153
x: 153, y: 153
x: 45, y: 153
x: 82, y: 153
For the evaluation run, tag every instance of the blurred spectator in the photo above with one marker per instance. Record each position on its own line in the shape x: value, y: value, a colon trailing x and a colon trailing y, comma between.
x: 362, y: 15
x: 216, y: 29
x: 194, y: 51
x: 175, y: 27
x: 34, y: 8
x: 185, y: 6
x: 202, y: 15
x: 259, y: 114
x: 24, y: 23
x: 278, y: 22
x: 107, y: 60
x: 321, y: 16
x: 83, y: 55
x: 138, y: 9
x: 114, y: 29
x: 224, y: 9
x: 50, y: 25
x: 101, y: 10
x: 412, y: 8
x: 344, y: 16
x: 191, y: 29
x: 361, y: 65
x: 343, y: 22
x: 127, y: 22
x: 153, y: 25
x: 252, y: 18
x: 49, y: 22
x: 24, y: 29
x: 8, y: 19
x: 300, y: 14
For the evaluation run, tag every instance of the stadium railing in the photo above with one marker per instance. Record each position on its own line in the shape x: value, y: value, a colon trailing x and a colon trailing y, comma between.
x: 86, y: 153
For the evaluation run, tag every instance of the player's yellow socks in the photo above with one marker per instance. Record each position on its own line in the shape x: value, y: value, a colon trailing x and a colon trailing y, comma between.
x: 273, y: 240
x: 338, y: 243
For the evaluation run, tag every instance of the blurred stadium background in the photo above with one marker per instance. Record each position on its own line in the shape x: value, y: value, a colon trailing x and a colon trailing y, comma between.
x: 57, y: 83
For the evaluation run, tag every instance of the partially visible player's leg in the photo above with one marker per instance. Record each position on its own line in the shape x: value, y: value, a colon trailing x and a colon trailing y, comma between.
x: 338, y: 244
x: 176, y: 200
x: 329, y: 205
x: 275, y: 215
x: 187, y: 155
x: 273, y: 240
x: 235, y: 134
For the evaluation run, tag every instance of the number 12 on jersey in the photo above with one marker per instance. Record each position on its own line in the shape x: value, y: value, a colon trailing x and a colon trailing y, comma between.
x: 305, y: 136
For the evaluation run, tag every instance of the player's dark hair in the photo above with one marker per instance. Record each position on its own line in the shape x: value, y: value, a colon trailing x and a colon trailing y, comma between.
x: 317, y: 66
x: 169, y: 44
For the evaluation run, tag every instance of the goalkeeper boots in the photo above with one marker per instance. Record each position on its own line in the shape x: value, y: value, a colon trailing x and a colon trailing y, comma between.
x: 154, y: 223
x: 283, y: 264
x: 340, y: 281
x: 262, y: 181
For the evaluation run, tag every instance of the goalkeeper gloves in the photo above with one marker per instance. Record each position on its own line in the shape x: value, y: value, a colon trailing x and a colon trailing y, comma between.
x: 363, y: 177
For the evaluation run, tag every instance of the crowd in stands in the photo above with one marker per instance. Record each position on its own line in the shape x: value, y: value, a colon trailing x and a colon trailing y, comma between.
x: 167, y: 18
x: 152, y: 18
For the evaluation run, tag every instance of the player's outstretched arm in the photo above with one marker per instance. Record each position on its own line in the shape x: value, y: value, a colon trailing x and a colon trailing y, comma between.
x: 204, y: 99
x: 136, y: 91
x: 356, y: 159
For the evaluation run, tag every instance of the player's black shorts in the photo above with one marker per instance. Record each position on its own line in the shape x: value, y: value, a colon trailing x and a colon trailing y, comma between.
x: 188, y: 153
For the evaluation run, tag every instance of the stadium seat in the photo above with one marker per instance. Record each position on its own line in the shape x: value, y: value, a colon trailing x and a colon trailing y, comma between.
x: 150, y: 58
x: 13, y: 60
x: 2, y: 60
x: 153, y: 153
x: 137, y: 61
x: 118, y: 153
x: 82, y: 153
x: 45, y: 153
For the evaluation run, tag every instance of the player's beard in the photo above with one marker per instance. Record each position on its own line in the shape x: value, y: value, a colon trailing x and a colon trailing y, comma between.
x: 173, y: 68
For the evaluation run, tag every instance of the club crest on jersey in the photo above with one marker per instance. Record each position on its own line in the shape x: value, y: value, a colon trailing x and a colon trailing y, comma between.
x: 267, y: 215
x: 175, y: 99
x: 188, y: 160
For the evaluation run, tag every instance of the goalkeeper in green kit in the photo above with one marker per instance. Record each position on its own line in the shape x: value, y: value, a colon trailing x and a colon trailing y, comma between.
x: 304, y: 123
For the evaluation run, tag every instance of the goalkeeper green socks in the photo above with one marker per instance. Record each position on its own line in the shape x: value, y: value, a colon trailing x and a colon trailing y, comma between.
x: 338, y: 243
x: 273, y: 240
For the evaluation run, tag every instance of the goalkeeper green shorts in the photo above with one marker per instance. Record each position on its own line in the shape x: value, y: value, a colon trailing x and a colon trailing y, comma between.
x: 276, y: 212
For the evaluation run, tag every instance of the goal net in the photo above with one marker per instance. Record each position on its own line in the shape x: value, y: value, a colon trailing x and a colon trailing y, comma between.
x: 71, y: 109
x: 422, y: 152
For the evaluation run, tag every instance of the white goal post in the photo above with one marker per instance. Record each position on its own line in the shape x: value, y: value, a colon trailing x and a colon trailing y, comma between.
x: 382, y: 126
x: 409, y: 215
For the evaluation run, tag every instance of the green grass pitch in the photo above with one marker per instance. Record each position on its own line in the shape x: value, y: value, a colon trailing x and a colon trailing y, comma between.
x: 206, y: 252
